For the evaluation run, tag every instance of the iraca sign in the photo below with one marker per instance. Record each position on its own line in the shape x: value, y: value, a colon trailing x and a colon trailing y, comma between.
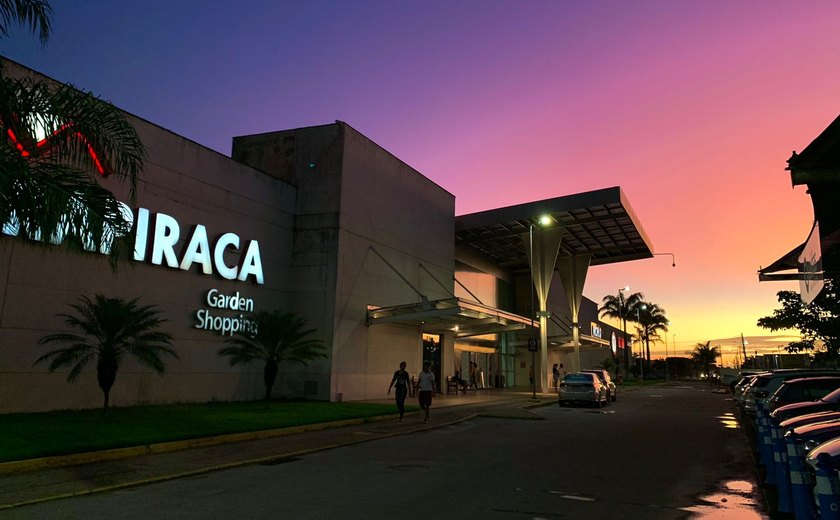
x: 156, y: 235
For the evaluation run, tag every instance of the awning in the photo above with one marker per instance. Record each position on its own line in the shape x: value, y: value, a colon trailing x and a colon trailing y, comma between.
x: 458, y: 316
x: 598, y: 223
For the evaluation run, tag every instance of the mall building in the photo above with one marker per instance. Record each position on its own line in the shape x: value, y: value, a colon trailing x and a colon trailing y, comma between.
x: 323, y: 222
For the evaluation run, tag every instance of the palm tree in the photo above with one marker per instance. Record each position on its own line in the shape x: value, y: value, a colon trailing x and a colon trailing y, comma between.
x: 622, y: 309
x: 652, y: 320
x: 279, y: 337
x: 111, y: 329
x: 705, y: 355
x: 55, y: 141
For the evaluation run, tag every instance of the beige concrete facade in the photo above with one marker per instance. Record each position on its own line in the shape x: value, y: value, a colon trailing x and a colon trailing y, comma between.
x: 341, y: 225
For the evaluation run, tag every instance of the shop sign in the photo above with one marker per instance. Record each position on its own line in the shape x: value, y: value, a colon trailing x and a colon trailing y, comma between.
x: 596, y: 329
x: 156, y: 235
x: 210, y: 319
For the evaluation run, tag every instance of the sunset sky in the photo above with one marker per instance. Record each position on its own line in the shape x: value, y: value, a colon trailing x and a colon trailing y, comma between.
x: 692, y: 108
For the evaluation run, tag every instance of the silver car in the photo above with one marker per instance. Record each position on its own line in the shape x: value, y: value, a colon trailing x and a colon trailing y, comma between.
x: 612, y: 391
x: 582, y: 387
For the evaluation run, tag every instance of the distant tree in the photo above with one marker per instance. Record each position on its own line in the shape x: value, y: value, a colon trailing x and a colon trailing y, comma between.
x: 279, y: 337
x: 111, y: 329
x: 705, y: 355
x: 607, y: 364
x: 818, y: 322
x: 56, y: 140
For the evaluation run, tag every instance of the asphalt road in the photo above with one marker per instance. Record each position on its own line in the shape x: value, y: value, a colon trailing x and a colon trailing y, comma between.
x: 662, y: 453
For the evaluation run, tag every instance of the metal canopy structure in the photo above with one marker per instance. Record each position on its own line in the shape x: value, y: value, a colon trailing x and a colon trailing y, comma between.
x: 460, y: 317
x: 597, y: 223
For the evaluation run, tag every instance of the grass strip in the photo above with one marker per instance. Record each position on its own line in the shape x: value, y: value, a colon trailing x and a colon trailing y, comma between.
x: 33, y: 435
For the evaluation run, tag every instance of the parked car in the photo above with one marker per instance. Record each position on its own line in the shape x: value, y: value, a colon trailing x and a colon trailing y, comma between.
x: 765, y: 384
x: 803, y: 390
x: 808, y: 418
x: 813, y: 434
x: 582, y: 387
x: 830, y: 449
x: 738, y: 393
x: 612, y: 391
x: 830, y: 402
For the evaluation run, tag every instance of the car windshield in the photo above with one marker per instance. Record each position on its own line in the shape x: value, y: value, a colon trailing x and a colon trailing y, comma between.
x: 578, y: 378
x: 833, y: 397
x: 599, y: 374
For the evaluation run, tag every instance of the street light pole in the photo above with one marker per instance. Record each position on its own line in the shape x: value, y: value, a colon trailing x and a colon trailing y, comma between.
x: 533, y: 371
x: 623, y: 319
x: 639, y: 310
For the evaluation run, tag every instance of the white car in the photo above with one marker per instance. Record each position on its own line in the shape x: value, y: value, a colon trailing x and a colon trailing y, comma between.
x: 582, y: 387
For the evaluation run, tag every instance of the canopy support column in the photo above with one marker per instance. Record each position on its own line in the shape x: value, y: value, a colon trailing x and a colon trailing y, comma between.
x: 573, y: 270
x: 542, y: 254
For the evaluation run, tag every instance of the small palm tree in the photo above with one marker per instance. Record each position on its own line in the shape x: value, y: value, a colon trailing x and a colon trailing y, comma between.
x: 705, y: 355
x: 111, y: 328
x: 279, y: 337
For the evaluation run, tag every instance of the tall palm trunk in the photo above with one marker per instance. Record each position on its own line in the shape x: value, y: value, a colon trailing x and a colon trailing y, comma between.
x: 106, y: 374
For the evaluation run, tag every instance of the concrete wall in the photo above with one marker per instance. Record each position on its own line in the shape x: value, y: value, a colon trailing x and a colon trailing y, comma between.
x: 408, y: 220
x: 355, y: 202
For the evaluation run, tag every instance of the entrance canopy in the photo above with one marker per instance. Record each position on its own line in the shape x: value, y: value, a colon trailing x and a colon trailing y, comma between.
x: 458, y: 316
x: 598, y: 223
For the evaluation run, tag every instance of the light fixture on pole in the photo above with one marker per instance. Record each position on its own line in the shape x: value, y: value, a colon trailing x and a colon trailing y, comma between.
x: 673, y: 258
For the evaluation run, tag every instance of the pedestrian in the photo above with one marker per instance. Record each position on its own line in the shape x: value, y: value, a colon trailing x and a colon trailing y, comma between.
x: 427, y: 388
x: 555, y: 372
x: 473, y: 375
x: 531, y: 375
x: 401, y: 382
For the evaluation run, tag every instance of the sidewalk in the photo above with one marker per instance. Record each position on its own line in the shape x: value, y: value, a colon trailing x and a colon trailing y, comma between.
x: 41, y: 480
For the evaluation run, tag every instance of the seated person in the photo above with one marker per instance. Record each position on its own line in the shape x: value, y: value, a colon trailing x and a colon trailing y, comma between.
x: 461, y: 382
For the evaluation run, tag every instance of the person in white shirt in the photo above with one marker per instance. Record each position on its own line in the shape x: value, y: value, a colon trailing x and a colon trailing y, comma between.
x: 427, y: 389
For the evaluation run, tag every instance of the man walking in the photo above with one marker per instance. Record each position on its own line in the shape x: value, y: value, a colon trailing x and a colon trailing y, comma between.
x: 402, y: 385
x: 427, y: 388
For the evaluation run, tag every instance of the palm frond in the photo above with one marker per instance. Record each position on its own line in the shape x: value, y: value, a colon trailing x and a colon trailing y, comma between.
x: 37, y: 14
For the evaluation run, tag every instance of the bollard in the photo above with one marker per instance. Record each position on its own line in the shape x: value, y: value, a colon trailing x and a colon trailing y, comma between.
x: 801, y: 486
x: 780, y: 467
x: 767, y: 452
x: 827, y: 488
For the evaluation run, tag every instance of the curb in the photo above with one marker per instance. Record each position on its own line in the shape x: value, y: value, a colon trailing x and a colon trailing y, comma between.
x: 209, y: 441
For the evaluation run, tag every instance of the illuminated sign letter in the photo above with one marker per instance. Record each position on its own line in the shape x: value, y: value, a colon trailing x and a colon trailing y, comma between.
x: 225, y: 241
x: 165, y: 237
x: 198, y: 251
x: 141, y: 234
x: 252, y: 264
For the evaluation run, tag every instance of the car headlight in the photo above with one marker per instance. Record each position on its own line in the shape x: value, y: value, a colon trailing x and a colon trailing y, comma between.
x: 809, y: 445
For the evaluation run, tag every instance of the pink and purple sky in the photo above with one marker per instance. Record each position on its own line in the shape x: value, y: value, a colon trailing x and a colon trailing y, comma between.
x: 691, y: 107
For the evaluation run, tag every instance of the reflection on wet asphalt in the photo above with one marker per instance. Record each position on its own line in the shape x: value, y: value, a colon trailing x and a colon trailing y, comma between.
x: 736, y: 501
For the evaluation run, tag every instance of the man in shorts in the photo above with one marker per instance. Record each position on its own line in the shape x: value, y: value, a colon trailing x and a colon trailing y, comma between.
x: 427, y: 389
